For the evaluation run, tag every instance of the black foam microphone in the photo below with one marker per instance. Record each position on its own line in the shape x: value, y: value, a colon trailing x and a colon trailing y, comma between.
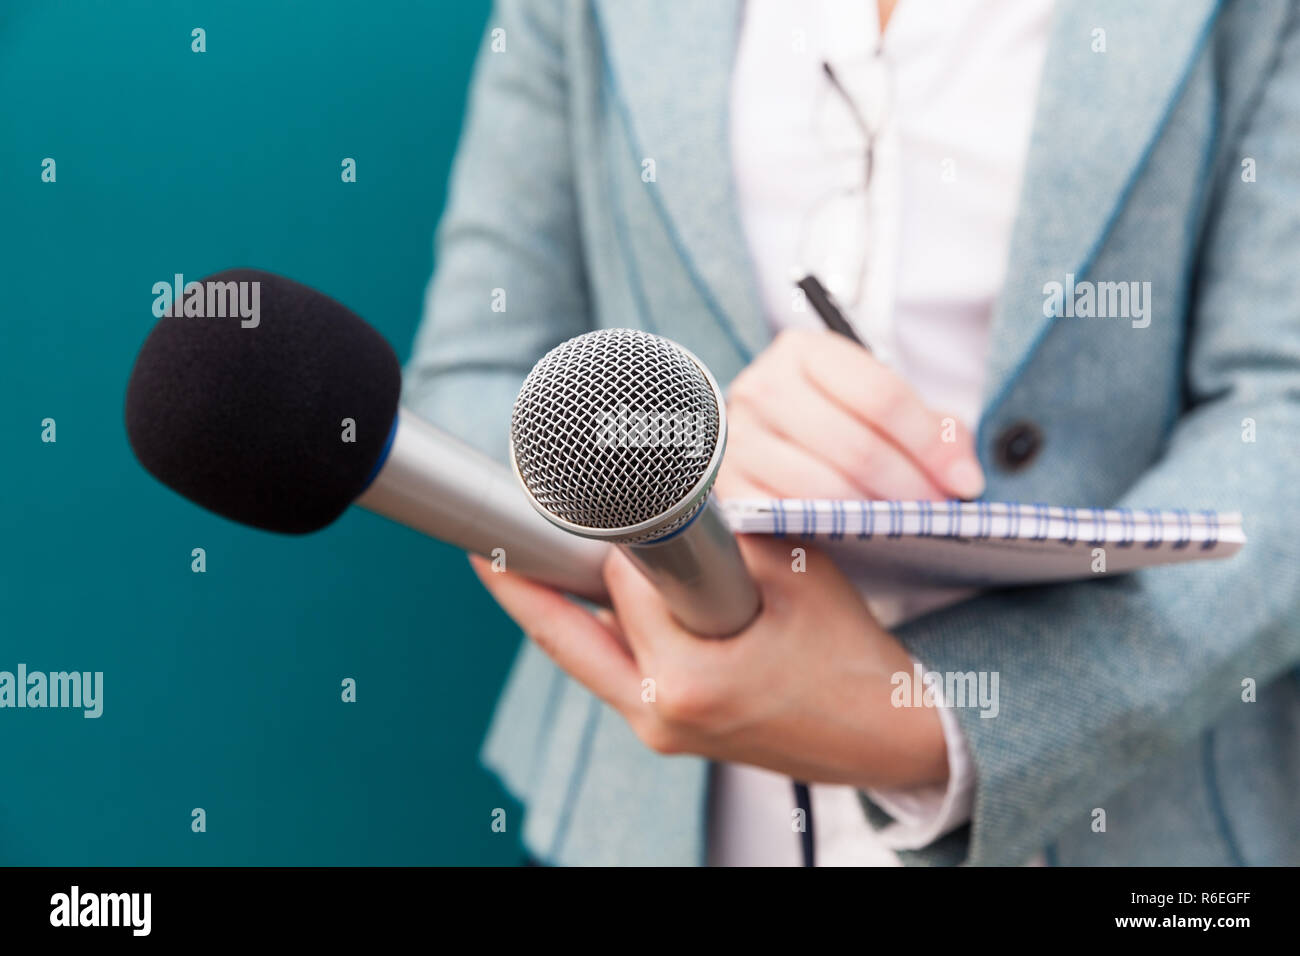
x: 283, y: 421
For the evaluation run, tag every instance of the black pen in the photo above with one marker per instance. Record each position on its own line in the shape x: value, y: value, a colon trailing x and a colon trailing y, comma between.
x: 823, y: 304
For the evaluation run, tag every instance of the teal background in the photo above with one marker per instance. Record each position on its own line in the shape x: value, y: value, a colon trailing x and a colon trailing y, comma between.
x: 222, y: 690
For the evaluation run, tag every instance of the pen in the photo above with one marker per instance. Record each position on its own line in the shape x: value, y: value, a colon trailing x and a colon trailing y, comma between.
x: 823, y: 304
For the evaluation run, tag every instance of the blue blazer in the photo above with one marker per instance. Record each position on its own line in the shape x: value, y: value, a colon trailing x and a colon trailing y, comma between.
x: 1173, y: 157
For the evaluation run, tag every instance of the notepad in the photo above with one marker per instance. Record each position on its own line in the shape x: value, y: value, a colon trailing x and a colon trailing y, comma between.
x: 956, y: 544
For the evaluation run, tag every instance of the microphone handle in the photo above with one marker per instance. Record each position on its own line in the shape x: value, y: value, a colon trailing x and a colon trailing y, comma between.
x: 701, y: 575
x: 448, y: 490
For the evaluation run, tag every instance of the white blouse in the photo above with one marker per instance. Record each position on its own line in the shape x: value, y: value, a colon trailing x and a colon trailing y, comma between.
x: 916, y: 261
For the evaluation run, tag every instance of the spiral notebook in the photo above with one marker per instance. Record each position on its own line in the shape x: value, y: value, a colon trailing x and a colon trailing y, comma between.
x: 987, y: 544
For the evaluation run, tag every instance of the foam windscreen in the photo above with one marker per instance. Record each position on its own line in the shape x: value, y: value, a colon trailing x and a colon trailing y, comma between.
x: 251, y: 421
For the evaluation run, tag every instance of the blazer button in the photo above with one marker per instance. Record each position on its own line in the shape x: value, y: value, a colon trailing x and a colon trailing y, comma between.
x: 1018, y: 445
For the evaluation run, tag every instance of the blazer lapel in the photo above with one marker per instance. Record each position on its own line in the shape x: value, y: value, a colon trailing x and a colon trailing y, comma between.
x: 668, y: 64
x: 1097, y: 117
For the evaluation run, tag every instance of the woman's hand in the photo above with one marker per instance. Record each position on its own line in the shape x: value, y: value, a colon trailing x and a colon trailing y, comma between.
x: 804, y: 690
x: 816, y: 416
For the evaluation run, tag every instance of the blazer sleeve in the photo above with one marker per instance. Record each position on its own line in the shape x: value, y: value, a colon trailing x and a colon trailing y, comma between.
x: 509, y: 281
x: 1099, y: 678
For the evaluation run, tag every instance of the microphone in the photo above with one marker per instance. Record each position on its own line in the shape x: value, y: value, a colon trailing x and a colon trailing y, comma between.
x: 252, y: 420
x: 617, y: 436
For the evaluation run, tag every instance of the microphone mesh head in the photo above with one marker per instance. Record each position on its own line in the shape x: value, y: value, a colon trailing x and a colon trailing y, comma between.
x: 614, y: 428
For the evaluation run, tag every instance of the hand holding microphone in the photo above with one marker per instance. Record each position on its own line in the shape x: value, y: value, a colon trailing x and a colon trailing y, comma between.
x: 808, y: 689
x: 246, y: 422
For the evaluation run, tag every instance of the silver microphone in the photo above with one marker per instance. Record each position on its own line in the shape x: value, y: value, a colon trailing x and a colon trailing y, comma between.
x: 448, y: 490
x: 617, y: 435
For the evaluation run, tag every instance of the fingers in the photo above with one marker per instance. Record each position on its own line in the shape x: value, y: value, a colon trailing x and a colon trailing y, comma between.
x: 733, y: 483
x: 864, y: 388
x: 645, y: 618
x: 762, y: 457
x: 572, y: 637
x: 607, y: 617
x: 862, y: 462
x: 769, y: 560
x: 786, y: 588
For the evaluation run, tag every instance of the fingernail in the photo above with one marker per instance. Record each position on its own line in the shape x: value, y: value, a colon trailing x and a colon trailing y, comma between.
x: 966, y: 479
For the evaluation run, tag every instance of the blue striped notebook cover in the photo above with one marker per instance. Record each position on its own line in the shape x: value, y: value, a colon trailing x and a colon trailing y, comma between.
x: 981, y: 543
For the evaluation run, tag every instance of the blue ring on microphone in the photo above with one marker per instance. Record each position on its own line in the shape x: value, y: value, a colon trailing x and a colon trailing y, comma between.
x: 383, y: 455
x: 672, y: 534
